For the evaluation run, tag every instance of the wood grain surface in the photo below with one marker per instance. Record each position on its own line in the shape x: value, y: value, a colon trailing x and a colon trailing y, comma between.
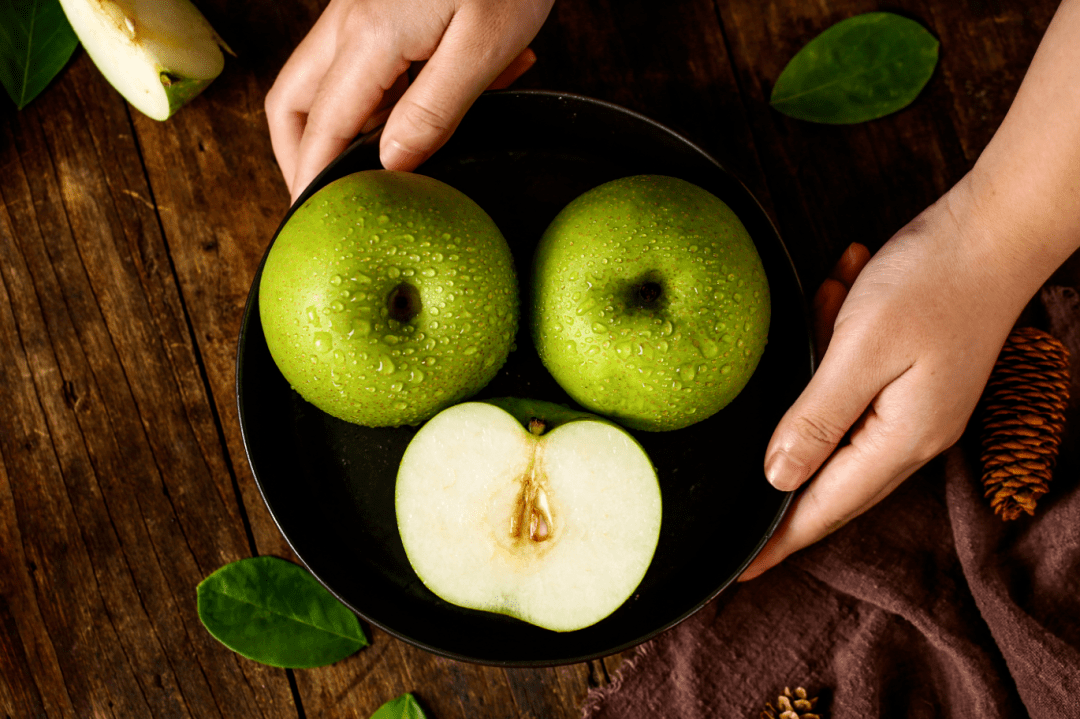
x: 127, y: 249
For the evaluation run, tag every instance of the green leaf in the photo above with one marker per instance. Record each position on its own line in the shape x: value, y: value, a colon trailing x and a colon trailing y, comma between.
x: 36, y: 41
x: 859, y: 69
x: 404, y: 707
x: 275, y: 612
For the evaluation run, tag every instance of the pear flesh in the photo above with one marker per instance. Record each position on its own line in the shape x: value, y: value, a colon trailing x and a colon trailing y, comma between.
x: 158, y: 54
x: 556, y: 529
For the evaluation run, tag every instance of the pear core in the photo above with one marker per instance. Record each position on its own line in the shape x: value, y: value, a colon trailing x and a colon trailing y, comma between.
x: 556, y: 528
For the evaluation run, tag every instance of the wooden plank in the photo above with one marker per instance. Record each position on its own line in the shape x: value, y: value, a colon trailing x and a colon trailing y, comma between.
x: 31, y: 684
x: 817, y: 172
x: 672, y: 66
x: 81, y: 643
x: 986, y: 49
x: 114, y: 371
x: 358, y: 685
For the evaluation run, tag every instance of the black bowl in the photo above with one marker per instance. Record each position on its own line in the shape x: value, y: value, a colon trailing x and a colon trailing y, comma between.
x: 330, y: 485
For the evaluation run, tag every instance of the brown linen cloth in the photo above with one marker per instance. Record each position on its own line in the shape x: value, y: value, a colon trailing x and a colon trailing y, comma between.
x: 928, y: 605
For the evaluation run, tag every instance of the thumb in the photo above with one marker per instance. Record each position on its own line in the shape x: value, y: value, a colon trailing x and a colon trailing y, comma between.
x: 812, y: 429
x: 814, y: 426
x: 852, y: 373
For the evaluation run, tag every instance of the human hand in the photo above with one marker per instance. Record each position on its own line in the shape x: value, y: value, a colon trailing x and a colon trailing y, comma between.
x: 917, y: 330
x: 350, y: 73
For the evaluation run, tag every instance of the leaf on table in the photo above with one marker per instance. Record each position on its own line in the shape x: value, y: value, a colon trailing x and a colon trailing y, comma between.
x: 276, y: 613
x: 860, y: 69
x: 36, y: 41
x: 404, y: 707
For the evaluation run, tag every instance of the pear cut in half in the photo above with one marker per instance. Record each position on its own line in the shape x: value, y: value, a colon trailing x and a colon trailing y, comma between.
x: 158, y: 54
x: 528, y: 509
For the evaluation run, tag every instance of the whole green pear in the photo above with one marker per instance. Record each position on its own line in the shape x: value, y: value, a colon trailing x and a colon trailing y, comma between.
x: 650, y: 303
x: 387, y: 297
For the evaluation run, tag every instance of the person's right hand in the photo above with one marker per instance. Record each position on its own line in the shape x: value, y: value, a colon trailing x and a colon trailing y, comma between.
x: 352, y: 70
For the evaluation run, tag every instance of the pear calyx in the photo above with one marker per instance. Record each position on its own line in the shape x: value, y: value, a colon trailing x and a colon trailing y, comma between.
x: 403, y: 302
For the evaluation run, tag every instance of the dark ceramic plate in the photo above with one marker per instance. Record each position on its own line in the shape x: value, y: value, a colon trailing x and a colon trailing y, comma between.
x: 330, y: 485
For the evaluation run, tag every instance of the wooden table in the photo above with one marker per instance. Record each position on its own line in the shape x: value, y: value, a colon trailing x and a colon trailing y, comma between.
x: 127, y: 248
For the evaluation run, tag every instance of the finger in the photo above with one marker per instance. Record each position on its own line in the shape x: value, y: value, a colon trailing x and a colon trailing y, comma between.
x: 850, y: 264
x: 852, y: 481
x: 289, y: 99
x: 517, y: 67
x: 851, y: 374
x: 390, y: 97
x: 434, y: 104
x: 833, y: 291
x: 349, y: 92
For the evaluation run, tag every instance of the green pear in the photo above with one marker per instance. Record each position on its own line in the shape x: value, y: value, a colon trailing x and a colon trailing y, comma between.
x: 650, y: 303
x: 526, y: 508
x: 158, y: 54
x: 388, y: 296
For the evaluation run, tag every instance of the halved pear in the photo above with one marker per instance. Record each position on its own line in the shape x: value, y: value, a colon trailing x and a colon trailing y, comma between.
x: 157, y: 53
x: 528, y: 509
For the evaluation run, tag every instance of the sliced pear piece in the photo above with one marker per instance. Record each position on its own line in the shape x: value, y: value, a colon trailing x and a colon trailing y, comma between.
x: 157, y: 53
x: 534, y: 511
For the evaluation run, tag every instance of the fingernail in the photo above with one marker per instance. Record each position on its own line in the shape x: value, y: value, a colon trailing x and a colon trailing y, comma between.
x: 782, y: 473
x: 396, y: 157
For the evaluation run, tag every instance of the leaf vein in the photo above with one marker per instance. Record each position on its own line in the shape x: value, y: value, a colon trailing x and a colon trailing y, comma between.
x: 839, y: 79
x: 286, y: 616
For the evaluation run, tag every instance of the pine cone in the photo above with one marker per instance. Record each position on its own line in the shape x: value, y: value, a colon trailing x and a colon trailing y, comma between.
x: 1023, y: 419
x: 791, y: 706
